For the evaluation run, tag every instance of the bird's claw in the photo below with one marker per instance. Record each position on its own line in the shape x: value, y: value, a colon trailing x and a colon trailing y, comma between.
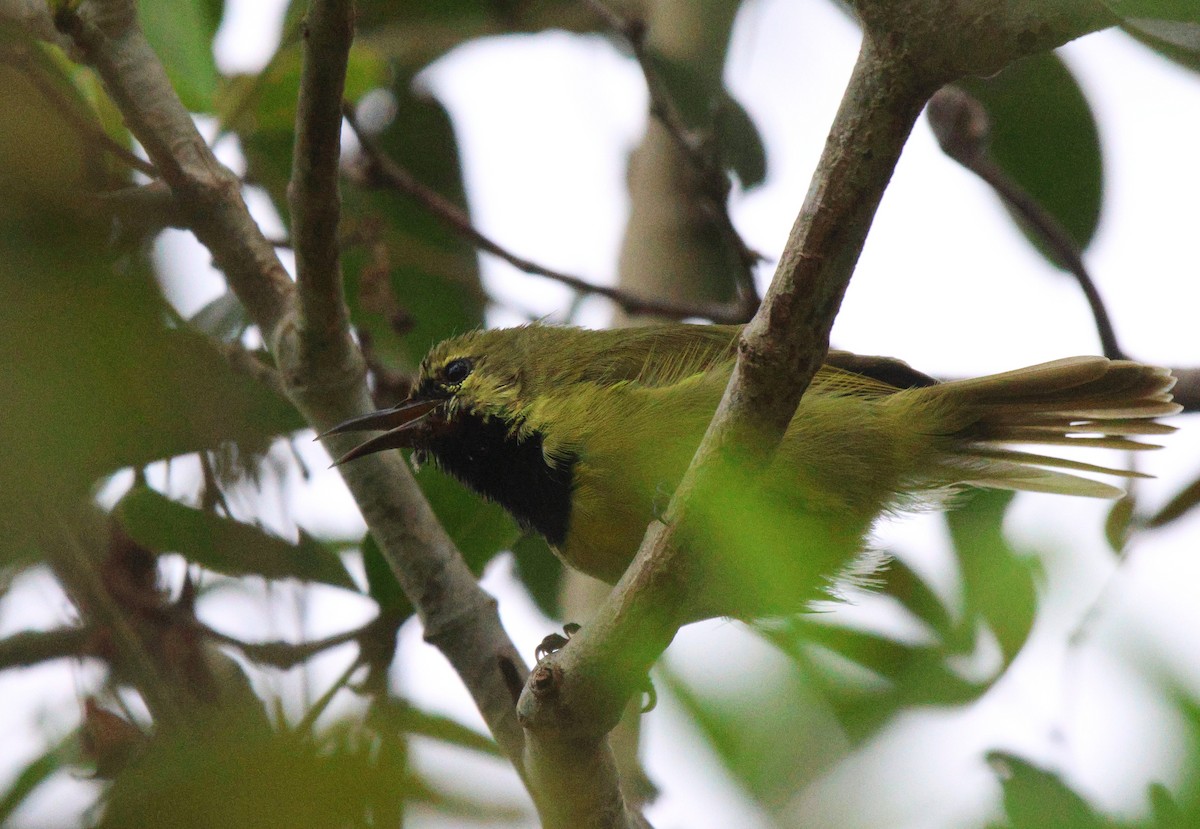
x: 555, y: 642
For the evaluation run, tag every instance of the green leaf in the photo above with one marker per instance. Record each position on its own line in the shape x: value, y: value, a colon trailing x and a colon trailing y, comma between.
x: 1044, y: 137
x: 182, y: 32
x: 224, y: 545
x: 415, y: 33
x: 261, y: 109
x: 35, y: 773
x: 754, y: 734
x: 1145, y: 11
x: 479, y: 529
x: 404, y: 717
x: 541, y: 572
x: 1117, y: 524
x: 1038, y: 799
x: 998, y: 585
x: 1181, y: 504
x: 739, y: 142
x: 410, y: 281
x: 905, y: 585
x: 382, y: 585
x: 1186, y: 54
x: 238, y: 775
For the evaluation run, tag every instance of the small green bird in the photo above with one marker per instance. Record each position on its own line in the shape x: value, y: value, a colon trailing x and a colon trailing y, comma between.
x: 583, y: 436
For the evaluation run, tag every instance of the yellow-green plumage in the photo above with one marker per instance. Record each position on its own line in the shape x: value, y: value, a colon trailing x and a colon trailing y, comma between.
x: 615, y: 416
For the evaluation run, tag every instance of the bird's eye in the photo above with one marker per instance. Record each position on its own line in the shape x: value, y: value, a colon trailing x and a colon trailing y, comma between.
x: 457, y: 370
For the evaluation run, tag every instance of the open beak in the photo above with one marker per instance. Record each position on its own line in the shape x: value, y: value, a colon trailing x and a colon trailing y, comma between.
x: 402, y: 425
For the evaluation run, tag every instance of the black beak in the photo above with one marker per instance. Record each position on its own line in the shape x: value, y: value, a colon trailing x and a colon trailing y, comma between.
x: 402, y: 425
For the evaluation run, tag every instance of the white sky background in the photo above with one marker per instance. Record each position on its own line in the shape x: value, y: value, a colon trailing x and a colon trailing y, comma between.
x: 545, y: 123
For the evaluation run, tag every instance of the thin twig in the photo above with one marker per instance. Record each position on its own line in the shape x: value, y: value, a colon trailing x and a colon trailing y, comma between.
x: 245, y: 361
x: 385, y: 170
x: 286, y: 655
x: 318, y: 708
x: 211, y: 496
x: 313, y: 192
x: 699, y: 152
x: 32, y: 647
x: 962, y: 128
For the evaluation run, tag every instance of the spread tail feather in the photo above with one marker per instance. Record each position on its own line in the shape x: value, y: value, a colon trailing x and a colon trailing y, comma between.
x: 1079, y: 401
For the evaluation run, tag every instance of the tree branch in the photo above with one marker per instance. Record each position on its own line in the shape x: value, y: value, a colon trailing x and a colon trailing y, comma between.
x: 962, y: 128
x: 381, y: 169
x: 32, y: 647
x: 209, y: 195
x: 326, y: 33
x: 699, y: 153
x: 459, y: 617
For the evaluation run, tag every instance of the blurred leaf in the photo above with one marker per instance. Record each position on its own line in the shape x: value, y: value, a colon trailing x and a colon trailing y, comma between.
x: 1038, y: 799
x: 261, y: 109
x: 540, y: 571
x: 1166, y: 811
x: 1044, y: 136
x: 756, y: 737
x: 1143, y: 12
x: 404, y: 717
x: 739, y: 142
x: 917, y: 671
x: 382, y: 585
x: 182, y: 32
x: 1186, y: 54
x: 739, y: 145
x: 905, y: 585
x: 411, y: 282
x: 224, y: 545
x: 223, y: 319
x: 45, y: 160
x: 234, y: 776
x: 34, y: 774
x: 998, y: 585
x: 1116, y: 525
x: 415, y: 33
x: 1183, y: 502
x: 96, y: 378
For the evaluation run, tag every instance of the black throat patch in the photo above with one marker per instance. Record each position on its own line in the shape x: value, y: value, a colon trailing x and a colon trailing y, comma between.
x: 482, y: 454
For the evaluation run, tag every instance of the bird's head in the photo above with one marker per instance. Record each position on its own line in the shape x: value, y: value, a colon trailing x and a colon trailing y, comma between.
x: 480, y: 374
x: 505, y: 374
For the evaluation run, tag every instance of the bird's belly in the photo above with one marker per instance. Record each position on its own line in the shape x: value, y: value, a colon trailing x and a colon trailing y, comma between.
x: 604, y: 533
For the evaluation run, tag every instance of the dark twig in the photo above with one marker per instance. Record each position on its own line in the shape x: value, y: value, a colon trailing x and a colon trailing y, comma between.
x: 313, y: 192
x: 699, y: 150
x: 211, y: 496
x: 286, y: 655
x: 962, y: 128
x: 32, y: 647
x: 1187, y: 388
x: 318, y: 708
x: 245, y: 361
x: 385, y: 170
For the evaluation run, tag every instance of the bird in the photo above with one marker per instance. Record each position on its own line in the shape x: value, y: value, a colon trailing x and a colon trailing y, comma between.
x: 583, y: 435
